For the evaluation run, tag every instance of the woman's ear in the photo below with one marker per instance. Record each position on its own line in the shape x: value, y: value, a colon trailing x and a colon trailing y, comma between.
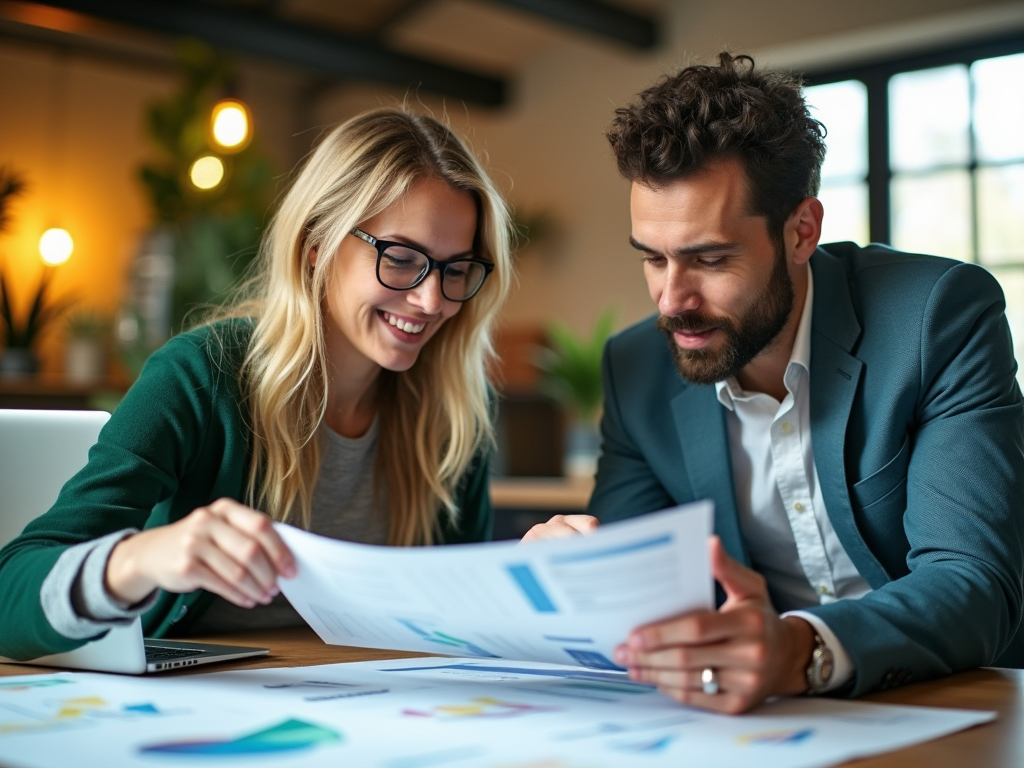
x: 312, y: 258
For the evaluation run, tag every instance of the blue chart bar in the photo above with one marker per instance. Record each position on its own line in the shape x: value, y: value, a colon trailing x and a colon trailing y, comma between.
x: 622, y: 549
x: 534, y: 592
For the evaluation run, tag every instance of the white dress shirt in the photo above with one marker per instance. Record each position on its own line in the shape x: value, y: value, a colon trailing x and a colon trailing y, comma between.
x: 785, y: 526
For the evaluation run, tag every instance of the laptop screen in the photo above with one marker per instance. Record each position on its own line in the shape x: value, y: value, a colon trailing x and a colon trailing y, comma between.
x: 39, y: 452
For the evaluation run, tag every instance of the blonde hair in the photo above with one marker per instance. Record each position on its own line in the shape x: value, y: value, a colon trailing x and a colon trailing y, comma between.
x: 435, y: 417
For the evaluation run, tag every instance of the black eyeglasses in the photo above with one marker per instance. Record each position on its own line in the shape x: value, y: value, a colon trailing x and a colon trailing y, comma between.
x: 401, y: 267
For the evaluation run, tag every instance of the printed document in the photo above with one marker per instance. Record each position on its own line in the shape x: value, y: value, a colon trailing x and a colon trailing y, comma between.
x: 430, y: 712
x: 565, y: 601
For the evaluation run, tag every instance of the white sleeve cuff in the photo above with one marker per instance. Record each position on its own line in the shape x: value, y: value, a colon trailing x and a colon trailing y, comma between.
x: 842, y: 663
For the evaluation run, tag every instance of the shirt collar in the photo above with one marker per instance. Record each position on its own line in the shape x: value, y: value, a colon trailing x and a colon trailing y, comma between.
x: 730, y: 389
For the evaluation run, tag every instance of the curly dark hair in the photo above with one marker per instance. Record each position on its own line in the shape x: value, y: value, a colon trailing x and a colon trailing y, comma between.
x: 680, y: 125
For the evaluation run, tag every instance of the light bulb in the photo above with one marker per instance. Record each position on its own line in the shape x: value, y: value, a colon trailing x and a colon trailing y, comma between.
x: 55, y: 246
x: 231, y: 124
x: 206, y: 172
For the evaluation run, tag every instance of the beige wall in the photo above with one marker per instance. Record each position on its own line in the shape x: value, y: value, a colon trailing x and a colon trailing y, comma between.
x: 73, y: 127
x: 546, y: 149
x: 76, y: 154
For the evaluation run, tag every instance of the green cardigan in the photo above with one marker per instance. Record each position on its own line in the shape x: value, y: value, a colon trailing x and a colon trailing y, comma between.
x: 177, y: 441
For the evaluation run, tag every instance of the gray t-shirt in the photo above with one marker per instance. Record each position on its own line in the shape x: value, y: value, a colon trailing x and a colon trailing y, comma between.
x: 77, y: 605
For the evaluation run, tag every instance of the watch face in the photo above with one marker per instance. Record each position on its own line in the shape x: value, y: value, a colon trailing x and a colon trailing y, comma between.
x: 819, y: 673
x: 825, y: 670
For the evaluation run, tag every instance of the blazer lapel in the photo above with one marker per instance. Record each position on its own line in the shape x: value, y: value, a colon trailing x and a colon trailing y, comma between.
x: 835, y: 374
x: 700, y: 425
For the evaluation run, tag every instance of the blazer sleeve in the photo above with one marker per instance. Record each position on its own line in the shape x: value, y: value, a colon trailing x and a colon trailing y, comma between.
x: 958, y: 602
x: 626, y: 484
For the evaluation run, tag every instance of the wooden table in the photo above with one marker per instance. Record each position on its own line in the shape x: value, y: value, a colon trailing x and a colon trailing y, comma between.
x: 994, y: 745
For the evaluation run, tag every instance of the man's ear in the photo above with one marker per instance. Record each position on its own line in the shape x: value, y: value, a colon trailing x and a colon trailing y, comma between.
x: 803, y: 229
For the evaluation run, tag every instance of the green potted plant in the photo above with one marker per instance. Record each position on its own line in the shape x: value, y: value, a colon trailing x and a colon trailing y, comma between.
x: 20, y: 332
x: 571, y: 374
x: 210, y: 235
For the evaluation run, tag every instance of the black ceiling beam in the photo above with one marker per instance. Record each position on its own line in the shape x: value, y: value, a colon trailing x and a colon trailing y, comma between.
x: 595, y: 16
x: 245, y: 31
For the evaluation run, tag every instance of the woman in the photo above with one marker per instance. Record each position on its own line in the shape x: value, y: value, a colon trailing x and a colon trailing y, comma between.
x: 345, y: 391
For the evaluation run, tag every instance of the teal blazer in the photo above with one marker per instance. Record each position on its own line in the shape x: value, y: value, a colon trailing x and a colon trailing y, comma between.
x: 917, y: 424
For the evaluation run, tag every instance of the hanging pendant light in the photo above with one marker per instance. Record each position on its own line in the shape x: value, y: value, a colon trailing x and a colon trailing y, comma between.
x: 231, y: 125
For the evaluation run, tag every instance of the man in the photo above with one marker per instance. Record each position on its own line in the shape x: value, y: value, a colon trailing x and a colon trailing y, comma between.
x: 853, y: 413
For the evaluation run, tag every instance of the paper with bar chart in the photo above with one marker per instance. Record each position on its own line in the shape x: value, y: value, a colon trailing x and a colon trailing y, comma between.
x: 566, y: 601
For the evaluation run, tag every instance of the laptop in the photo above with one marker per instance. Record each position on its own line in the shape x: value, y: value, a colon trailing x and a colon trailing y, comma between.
x: 39, y: 452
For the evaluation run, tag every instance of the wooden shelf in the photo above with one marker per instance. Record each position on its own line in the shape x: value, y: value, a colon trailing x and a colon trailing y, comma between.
x: 547, y: 493
x: 53, y: 392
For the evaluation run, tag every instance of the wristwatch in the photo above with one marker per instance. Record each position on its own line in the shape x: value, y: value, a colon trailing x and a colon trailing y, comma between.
x: 819, y: 671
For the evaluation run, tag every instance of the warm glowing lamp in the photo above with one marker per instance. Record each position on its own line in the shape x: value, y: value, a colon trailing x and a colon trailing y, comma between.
x: 55, y: 246
x: 231, y: 125
x: 206, y: 172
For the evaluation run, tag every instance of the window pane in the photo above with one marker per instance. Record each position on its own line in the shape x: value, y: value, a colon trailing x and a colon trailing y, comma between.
x: 931, y: 213
x: 843, y: 110
x: 999, y: 107
x: 929, y: 118
x: 846, y: 212
x: 1012, y: 281
x: 1001, y: 214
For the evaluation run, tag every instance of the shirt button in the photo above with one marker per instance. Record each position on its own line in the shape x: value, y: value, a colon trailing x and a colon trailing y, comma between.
x: 823, y: 589
x: 798, y: 507
x: 786, y: 427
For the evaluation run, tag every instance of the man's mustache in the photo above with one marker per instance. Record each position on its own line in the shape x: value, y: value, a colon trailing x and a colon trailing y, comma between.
x: 689, y: 323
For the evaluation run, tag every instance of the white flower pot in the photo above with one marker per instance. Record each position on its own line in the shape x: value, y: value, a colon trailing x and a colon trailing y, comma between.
x: 85, y: 361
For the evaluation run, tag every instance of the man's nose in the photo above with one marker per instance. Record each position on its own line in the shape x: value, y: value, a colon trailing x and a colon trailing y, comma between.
x: 680, y: 292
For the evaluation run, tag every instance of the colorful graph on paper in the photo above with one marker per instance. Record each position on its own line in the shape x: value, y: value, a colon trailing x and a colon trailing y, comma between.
x: 287, y: 736
x: 480, y: 707
x: 68, y: 712
x: 787, y: 736
x: 452, y: 642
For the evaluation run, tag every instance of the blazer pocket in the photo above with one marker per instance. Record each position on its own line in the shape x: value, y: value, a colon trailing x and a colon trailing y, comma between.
x: 889, y: 478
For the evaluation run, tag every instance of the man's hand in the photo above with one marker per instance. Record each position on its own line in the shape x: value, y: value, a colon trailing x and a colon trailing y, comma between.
x: 755, y: 653
x: 225, y: 547
x: 561, y: 526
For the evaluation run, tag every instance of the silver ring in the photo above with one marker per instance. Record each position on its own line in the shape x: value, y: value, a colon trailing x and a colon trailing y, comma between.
x: 709, y: 681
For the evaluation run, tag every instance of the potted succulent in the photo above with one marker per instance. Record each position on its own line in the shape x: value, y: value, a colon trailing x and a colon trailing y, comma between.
x: 571, y: 374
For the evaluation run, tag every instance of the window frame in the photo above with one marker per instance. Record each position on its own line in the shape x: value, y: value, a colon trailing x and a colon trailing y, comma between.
x: 875, y: 75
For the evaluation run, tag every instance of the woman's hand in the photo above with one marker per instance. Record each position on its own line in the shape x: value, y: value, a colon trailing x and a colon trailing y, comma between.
x: 225, y: 548
x: 561, y: 526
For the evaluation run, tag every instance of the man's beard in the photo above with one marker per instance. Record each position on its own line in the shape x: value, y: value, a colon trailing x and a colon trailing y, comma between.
x: 745, y: 339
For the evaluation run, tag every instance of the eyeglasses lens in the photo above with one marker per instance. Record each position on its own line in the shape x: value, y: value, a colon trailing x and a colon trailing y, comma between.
x: 402, y: 268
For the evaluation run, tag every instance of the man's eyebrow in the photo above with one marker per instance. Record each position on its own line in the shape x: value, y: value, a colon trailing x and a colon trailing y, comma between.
x: 710, y: 246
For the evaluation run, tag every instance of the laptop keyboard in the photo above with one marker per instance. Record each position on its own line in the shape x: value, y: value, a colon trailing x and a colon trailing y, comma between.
x: 162, y: 653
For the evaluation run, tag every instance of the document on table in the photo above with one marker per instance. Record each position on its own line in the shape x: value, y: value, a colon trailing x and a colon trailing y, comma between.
x: 566, y: 601
x: 430, y: 712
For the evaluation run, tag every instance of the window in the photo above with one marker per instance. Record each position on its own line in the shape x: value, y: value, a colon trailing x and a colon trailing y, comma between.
x: 928, y: 154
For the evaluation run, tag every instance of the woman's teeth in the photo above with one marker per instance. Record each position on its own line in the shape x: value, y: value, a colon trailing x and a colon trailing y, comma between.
x: 404, y: 325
